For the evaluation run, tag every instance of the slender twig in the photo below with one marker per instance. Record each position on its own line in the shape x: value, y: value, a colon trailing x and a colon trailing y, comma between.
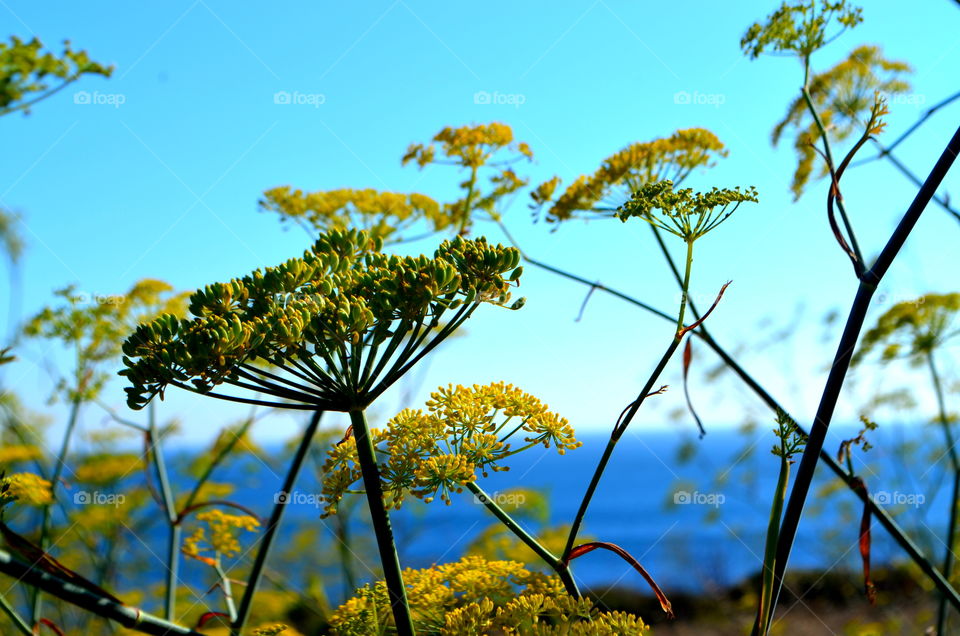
x: 174, y: 531
x: 49, y: 93
x: 848, y: 341
x: 222, y: 453
x: 14, y: 616
x: 129, y: 617
x: 941, y: 201
x: 548, y: 557
x: 227, y: 589
x: 37, y: 605
x: 381, y: 525
x: 828, y: 156
x: 280, y: 505
x: 889, y: 524
x: 618, y: 431
x: 948, y: 559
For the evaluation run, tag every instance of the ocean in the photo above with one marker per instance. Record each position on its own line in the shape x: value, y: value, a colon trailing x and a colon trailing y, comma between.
x: 696, y: 525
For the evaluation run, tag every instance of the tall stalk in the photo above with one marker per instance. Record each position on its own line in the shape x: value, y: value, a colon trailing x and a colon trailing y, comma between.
x: 37, y: 604
x: 381, y: 524
x: 279, y: 506
x: 621, y: 426
x: 174, y: 531
x: 129, y: 617
x: 555, y: 563
x: 889, y: 524
x: 948, y: 559
x: 848, y: 341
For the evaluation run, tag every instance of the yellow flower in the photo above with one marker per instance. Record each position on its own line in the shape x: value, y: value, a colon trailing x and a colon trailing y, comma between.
x: 16, y: 453
x: 223, y: 533
x: 27, y: 489
x: 107, y: 468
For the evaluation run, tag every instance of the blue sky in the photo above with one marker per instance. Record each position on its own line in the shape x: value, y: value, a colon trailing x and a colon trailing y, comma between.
x: 156, y: 172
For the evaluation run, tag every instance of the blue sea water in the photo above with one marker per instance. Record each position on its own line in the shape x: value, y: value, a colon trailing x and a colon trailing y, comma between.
x: 695, y: 525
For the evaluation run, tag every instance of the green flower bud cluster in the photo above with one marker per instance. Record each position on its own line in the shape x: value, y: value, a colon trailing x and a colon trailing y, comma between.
x: 333, y: 321
x: 683, y: 212
x: 799, y: 26
x: 25, y: 71
x: 620, y: 174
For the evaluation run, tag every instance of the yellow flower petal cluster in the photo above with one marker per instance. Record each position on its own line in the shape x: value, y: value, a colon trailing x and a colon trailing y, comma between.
x: 631, y: 168
x: 107, y: 468
x: 477, y: 596
x: 912, y: 329
x: 224, y: 528
x: 18, y: 453
x: 383, y: 214
x: 438, y: 451
x: 845, y: 97
x: 468, y: 146
x: 472, y: 148
x: 25, y: 488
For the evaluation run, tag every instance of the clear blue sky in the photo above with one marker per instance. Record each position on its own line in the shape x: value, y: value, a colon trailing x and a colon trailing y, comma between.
x: 165, y: 184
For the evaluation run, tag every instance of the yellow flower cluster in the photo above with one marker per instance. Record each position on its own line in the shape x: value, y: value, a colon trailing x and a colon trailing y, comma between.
x: 25, y: 488
x: 628, y: 170
x: 469, y: 146
x: 17, y: 453
x: 846, y: 97
x: 912, y: 329
x: 433, y: 452
x: 472, y: 148
x: 475, y: 596
x: 383, y: 214
x: 107, y: 468
x: 499, y: 542
x: 223, y: 533
x: 93, y: 326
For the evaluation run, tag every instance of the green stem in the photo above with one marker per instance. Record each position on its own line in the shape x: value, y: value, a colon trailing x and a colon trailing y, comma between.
x: 129, y: 617
x: 614, y: 438
x: 170, y: 508
x: 389, y: 558
x: 765, y: 610
x: 9, y: 610
x: 555, y: 564
x: 841, y: 362
x: 826, y: 151
x: 37, y: 605
x: 469, y: 199
x: 219, y: 457
x: 948, y: 560
x: 279, y: 506
x: 685, y: 287
x: 227, y: 589
x: 888, y: 523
